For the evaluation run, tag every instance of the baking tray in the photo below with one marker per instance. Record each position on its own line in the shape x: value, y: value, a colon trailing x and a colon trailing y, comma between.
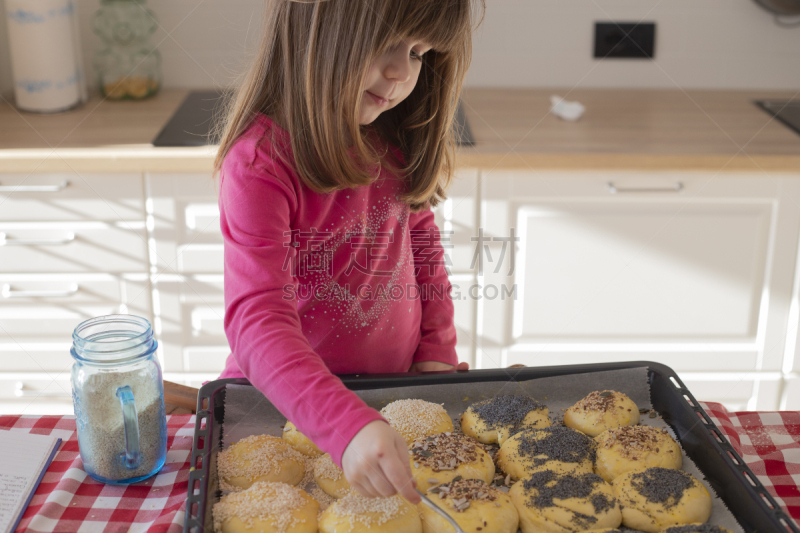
x: 703, y: 442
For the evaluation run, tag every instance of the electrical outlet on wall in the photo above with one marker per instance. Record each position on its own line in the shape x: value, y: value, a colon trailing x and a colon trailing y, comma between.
x: 624, y: 40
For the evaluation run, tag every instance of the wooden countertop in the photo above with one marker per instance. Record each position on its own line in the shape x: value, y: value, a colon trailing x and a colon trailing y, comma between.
x: 622, y: 129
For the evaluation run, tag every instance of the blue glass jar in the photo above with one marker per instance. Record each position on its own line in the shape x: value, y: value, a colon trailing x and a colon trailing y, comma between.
x: 118, y: 395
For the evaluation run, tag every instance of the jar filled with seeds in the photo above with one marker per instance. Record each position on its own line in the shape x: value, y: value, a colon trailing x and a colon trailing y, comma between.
x: 118, y: 396
x: 127, y: 66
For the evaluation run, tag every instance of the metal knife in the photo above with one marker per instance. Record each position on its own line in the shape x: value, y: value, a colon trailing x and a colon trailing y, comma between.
x: 441, y: 512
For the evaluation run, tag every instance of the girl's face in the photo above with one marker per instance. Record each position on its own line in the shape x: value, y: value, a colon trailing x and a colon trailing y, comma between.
x: 390, y: 78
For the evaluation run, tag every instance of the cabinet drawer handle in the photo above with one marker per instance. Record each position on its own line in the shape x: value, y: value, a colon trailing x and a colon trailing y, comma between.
x: 8, y: 292
x: 35, y: 188
x: 36, y: 242
x: 21, y: 392
x: 613, y: 189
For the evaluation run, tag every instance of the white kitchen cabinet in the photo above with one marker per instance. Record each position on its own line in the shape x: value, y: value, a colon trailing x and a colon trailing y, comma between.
x: 71, y: 197
x: 191, y: 313
x: 187, y: 264
x: 693, y: 270
x: 698, y: 271
x: 72, y: 247
x: 456, y: 219
x: 42, y: 309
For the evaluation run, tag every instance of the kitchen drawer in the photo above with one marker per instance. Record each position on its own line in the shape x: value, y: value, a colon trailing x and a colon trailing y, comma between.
x: 464, y: 316
x: 753, y: 391
x: 68, y: 246
x: 791, y: 393
x: 206, y: 358
x: 191, y: 309
x: 38, y: 197
x: 681, y: 263
x: 194, y: 257
x: 37, y: 310
x: 456, y: 219
x: 32, y: 387
x: 697, y: 357
x: 646, y: 270
x: 185, y: 221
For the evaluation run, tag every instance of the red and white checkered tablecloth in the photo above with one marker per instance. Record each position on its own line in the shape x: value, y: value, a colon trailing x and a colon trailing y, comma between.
x: 769, y: 443
x: 68, y: 500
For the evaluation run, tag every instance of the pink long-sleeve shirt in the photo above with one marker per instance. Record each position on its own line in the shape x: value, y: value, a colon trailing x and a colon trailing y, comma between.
x: 347, y: 282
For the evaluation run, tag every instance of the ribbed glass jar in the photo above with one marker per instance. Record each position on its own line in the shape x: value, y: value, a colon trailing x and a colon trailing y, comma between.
x: 126, y: 65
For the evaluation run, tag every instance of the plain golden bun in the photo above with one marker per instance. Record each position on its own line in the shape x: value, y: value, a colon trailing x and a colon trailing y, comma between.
x: 441, y: 458
x: 474, y: 505
x: 259, y: 458
x: 330, y: 477
x: 266, y: 508
x: 659, y: 498
x: 357, y: 514
x: 492, y: 421
x: 549, y: 502
x: 300, y: 442
x: 635, y: 448
x: 601, y: 411
x: 417, y: 418
x: 560, y: 449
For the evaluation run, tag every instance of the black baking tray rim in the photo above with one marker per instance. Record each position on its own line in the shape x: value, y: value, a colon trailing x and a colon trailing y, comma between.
x: 746, y: 497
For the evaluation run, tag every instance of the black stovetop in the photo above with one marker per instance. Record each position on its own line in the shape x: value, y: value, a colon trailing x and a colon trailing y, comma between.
x: 192, y: 123
x: 787, y: 111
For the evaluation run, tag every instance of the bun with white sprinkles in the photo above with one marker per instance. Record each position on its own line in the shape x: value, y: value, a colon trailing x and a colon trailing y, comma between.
x: 300, y: 442
x: 259, y: 458
x: 356, y: 514
x: 417, y: 418
x: 330, y: 477
x: 273, y: 507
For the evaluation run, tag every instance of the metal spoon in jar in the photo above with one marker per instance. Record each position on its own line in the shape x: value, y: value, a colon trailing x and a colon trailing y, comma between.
x: 441, y: 512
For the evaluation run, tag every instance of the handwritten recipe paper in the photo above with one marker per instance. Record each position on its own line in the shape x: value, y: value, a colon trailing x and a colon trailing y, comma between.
x: 25, y: 458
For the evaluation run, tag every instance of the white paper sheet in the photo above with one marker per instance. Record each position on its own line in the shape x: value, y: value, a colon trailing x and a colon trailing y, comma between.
x: 25, y: 457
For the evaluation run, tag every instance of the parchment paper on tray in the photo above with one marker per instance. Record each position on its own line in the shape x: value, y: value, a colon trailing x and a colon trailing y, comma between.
x: 248, y: 412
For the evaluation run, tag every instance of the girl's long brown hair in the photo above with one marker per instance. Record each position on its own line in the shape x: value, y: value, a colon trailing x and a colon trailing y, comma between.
x: 309, y: 72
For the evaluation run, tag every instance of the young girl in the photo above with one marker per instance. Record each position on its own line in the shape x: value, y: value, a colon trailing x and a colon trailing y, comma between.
x: 336, y: 147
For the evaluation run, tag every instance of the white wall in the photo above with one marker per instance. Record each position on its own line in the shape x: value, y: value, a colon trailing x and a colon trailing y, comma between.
x: 699, y: 44
x: 522, y: 43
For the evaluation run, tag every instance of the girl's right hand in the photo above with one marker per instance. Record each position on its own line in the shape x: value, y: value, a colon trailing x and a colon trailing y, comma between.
x: 376, y: 463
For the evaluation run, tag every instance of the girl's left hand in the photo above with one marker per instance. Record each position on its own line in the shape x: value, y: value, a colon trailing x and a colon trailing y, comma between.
x: 434, y: 366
